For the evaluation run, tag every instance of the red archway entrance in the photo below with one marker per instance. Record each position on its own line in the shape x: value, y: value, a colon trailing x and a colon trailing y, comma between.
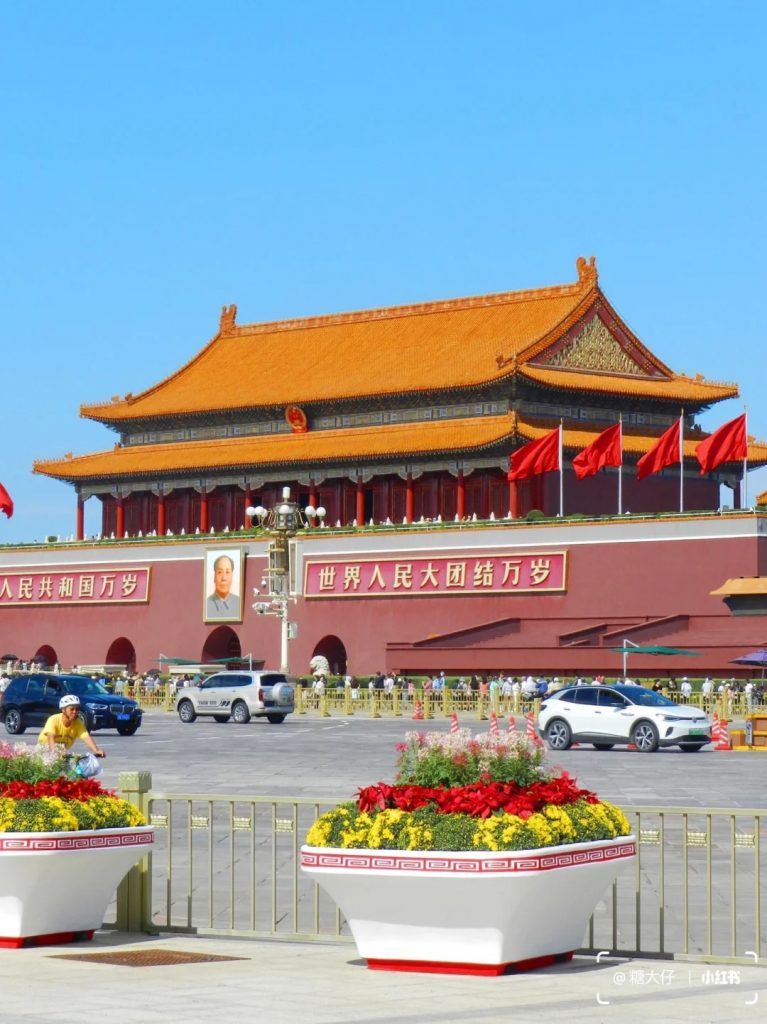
x: 122, y: 652
x: 332, y: 648
x: 46, y: 655
x: 222, y: 642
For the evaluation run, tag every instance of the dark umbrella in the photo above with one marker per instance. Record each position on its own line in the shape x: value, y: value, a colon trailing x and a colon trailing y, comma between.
x: 754, y: 658
x: 632, y: 648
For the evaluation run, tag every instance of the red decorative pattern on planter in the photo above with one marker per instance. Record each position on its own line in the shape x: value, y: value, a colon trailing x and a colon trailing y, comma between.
x: 47, y: 842
x: 512, y: 863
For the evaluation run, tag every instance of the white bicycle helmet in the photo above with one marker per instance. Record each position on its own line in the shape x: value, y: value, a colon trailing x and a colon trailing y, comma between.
x: 69, y: 700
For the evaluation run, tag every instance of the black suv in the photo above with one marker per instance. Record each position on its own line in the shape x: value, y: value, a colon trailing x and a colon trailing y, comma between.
x: 30, y: 700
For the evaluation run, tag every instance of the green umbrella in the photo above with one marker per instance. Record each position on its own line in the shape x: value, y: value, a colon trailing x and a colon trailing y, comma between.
x: 632, y: 648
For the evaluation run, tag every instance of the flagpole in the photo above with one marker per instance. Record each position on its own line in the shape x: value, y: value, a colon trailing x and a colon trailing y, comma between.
x: 681, y: 461
x: 744, y: 502
x: 561, y: 476
x: 620, y: 478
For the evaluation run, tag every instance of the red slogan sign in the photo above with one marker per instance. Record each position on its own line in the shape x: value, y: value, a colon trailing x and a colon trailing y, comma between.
x: 75, y: 586
x: 508, y: 573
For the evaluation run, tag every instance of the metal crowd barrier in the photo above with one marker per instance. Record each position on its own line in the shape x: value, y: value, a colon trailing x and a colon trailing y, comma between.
x: 229, y: 865
x: 378, y: 704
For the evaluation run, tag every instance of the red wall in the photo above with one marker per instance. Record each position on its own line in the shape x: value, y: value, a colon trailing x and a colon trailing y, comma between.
x: 621, y: 581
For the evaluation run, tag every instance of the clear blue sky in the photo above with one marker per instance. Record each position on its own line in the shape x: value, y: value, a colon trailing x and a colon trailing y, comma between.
x: 161, y: 159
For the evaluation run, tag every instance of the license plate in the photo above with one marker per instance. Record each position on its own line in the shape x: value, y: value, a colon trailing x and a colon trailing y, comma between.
x: 123, y: 718
x: 697, y: 732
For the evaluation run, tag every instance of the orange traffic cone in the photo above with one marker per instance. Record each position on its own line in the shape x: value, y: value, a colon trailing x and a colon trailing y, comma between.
x: 715, y: 730
x: 512, y: 724
x: 532, y: 735
x: 418, y: 716
x: 454, y: 723
x: 493, y: 724
x: 723, y: 742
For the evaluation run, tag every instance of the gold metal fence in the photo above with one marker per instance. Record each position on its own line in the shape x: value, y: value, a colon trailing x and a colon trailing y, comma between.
x: 229, y: 865
x: 346, y: 701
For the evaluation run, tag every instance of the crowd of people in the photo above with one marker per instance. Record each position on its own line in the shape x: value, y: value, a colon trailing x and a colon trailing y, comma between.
x: 510, y: 690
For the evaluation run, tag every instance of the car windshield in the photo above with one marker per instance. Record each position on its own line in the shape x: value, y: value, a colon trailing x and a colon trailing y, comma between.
x: 647, y: 698
x: 85, y: 687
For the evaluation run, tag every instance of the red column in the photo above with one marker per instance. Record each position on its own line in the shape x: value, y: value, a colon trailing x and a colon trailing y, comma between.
x: 248, y: 504
x: 485, y: 497
x: 360, y: 503
x: 313, y: 501
x: 409, y: 498
x: 203, y: 511
x: 514, y: 499
x: 161, y: 515
x: 120, y: 524
x: 460, y: 498
x: 80, y: 518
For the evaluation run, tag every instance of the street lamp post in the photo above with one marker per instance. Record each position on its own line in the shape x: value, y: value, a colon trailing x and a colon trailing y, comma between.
x: 283, y: 521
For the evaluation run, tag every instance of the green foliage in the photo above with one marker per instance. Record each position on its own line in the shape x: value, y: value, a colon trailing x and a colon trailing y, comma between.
x: 457, y: 759
x: 346, y: 827
x: 20, y: 763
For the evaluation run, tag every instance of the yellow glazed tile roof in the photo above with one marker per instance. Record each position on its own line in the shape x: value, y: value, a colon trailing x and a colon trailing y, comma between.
x: 676, y: 388
x: 443, y: 437
x: 310, y: 448
x: 742, y: 586
x: 455, y: 344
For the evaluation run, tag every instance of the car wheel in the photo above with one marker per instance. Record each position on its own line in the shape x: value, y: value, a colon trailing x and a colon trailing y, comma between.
x: 127, y: 729
x: 276, y: 719
x: 644, y: 736
x: 221, y: 718
x: 14, y: 722
x: 186, y: 712
x: 558, y: 735
x: 603, y: 746
x: 691, y: 748
x: 240, y: 713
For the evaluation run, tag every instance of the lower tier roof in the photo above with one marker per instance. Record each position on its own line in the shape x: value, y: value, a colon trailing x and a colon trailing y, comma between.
x: 451, y: 439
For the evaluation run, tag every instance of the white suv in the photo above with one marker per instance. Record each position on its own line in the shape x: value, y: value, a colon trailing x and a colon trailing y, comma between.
x: 606, y: 715
x: 239, y: 696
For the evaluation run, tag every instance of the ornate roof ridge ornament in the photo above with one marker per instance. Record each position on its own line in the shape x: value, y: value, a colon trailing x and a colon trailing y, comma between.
x: 587, y: 271
x: 227, y: 323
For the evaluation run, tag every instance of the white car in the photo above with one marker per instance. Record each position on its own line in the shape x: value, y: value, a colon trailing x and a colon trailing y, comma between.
x: 607, y: 715
x: 239, y: 696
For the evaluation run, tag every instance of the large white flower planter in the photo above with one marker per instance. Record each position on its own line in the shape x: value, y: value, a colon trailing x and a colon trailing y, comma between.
x: 55, y: 886
x: 468, y: 912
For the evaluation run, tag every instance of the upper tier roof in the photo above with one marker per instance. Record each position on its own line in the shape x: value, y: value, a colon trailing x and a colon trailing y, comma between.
x: 434, y: 346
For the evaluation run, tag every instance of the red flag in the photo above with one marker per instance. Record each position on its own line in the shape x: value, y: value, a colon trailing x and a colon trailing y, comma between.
x: 665, y: 452
x: 539, y: 456
x: 726, y: 444
x: 6, y: 505
x: 604, y: 450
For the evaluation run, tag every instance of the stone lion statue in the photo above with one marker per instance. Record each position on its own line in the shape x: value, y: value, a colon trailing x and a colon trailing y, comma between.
x: 319, y: 666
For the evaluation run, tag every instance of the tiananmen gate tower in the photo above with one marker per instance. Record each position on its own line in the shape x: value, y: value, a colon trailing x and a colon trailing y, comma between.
x: 401, y: 422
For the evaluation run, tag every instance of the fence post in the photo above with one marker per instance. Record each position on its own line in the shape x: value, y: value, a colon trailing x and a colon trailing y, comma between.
x: 299, y: 695
x: 134, y: 893
x: 348, y: 700
x: 481, y: 707
x: 374, y: 712
x: 323, y: 706
x: 395, y: 699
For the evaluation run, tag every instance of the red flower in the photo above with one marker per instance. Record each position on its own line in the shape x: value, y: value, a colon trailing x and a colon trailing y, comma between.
x: 67, y: 789
x: 479, y: 800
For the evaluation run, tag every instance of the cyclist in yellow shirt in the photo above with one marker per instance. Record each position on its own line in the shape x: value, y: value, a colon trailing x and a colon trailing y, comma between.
x: 66, y: 727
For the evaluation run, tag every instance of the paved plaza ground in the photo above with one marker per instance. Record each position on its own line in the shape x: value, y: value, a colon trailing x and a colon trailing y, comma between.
x: 332, y: 757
